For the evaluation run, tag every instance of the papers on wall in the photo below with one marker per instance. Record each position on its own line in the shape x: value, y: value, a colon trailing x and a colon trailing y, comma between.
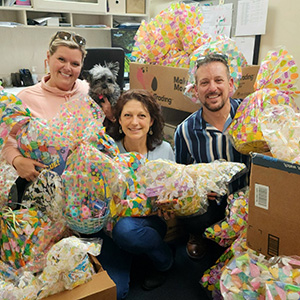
x: 251, y: 17
x: 217, y: 19
x: 246, y: 45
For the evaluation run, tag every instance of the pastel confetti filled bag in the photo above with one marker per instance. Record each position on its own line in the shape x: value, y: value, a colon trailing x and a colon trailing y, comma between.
x: 171, y: 36
x: 222, y: 45
x: 211, y: 277
x: 133, y: 203
x: 93, y: 179
x: 7, y: 179
x: 26, y: 236
x: 251, y: 276
x: 185, y: 187
x: 275, y: 85
x: 68, y: 265
x: 89, y: 178
x: 49, y: 141
x: 46, y: 193
x: 227, y: 230
x: 280, y: 126
x: 12, y: 113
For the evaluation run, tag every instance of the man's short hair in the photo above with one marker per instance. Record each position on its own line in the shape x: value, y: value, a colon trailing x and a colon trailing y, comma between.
x: 212, y: 57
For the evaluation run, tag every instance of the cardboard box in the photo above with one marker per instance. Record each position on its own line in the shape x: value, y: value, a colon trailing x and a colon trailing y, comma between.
x: 101, y: 287
x: 274, y: 206
x: 167, y: 84
x: 116, y: 6
x: 135, y: 6
x: 246, y: 85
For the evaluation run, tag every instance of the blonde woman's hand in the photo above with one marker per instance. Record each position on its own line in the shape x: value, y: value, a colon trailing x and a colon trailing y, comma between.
x: 26, y: 167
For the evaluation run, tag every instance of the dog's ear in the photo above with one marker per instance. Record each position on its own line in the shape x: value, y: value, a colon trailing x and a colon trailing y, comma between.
x: 86, y: 75
x: 114, y: 67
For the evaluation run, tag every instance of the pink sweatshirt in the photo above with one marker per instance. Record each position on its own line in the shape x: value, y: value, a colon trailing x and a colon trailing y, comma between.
x: 44, y: 102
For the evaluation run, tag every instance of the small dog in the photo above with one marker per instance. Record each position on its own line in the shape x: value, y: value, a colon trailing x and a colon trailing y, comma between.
x: 103, y: 82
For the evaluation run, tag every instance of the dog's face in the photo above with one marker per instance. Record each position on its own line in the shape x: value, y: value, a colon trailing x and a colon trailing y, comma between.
x: 102, y: 81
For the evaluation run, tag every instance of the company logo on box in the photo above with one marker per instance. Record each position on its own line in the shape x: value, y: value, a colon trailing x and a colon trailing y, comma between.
x: 152, y: 83
x: 179, y: 85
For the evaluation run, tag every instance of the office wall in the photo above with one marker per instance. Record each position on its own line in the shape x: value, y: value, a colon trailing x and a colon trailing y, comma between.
x: 283, y: 25
x: 25, y: 47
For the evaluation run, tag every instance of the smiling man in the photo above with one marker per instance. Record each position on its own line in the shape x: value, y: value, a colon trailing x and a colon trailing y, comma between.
x: 202, y: 138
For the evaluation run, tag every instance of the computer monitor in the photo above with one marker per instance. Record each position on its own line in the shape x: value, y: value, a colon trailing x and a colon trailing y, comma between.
x: 105, y: 55
x: 123, y: 37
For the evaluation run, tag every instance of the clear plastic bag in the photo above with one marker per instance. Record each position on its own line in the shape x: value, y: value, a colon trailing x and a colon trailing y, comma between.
x: 280, y: 126
x: 275, y: 84
x: 185, y: 187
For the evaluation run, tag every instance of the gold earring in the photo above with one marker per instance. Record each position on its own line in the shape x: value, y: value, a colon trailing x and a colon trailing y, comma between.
x: 120, y: 130
x: 150, y: 131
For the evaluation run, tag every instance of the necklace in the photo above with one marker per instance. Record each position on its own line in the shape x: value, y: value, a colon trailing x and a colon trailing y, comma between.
x: 123, y: 143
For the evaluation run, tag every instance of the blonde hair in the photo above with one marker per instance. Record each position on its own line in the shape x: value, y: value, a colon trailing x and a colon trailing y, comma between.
x: 56, y: 41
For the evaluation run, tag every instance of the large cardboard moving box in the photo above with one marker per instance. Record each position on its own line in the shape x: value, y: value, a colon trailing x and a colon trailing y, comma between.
x: 167, y: 84
x: 274, y: 206
x: 101, y: 287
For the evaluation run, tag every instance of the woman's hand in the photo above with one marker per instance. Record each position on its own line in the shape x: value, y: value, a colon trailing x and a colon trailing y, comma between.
x: 165, y: 209
x: 26, y: 167
x: 107, y: 109
x: 166, y: 214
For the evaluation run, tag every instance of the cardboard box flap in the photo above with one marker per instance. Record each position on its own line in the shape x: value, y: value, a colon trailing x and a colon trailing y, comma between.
x: 97, y: 266
x: 100, y: 287
x: 275, y: 163
x: 246, y: 84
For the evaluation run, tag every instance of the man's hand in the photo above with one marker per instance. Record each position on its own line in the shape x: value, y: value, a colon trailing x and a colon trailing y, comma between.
x: 212, y: 196
x: 26, y: 167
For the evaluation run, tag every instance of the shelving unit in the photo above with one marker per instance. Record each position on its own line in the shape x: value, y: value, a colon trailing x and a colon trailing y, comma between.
x: 25, y: 45
x: 78, y: 13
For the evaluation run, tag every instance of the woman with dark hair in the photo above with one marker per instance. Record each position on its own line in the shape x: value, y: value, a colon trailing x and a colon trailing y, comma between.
x: 139, y: 126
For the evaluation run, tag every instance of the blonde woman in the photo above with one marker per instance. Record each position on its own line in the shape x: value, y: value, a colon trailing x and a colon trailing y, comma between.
x: 65, y: 59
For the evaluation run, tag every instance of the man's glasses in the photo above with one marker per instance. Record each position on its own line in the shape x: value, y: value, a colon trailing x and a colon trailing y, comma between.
x: 210, y: 57
x: 67, y: 36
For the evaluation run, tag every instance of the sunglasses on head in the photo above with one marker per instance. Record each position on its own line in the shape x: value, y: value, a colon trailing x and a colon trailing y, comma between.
x: 67, y: 36
x: 212, y: 57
